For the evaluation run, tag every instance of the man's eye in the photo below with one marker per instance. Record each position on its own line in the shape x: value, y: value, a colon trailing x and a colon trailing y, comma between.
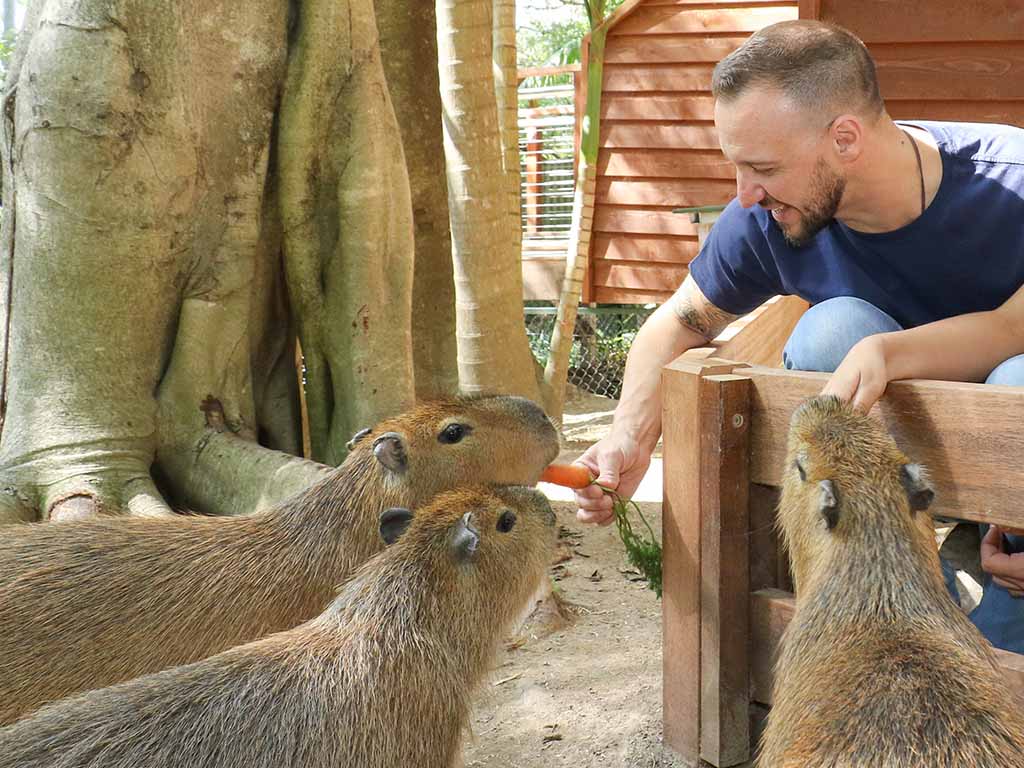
x: 763, y: 171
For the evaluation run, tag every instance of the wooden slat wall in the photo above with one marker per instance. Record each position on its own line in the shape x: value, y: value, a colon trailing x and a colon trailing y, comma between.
x: 659, y: 148
x: 937, y: 59
x: 942, y: 59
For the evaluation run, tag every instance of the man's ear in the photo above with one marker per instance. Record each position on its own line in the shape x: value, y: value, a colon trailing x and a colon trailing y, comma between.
x: 393, y: 523
x: 847, y: 135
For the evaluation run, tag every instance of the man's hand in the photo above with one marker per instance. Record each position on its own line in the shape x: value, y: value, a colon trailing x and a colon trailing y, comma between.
x: 618, y: 463
x: 1007, y: 569
x: 862, y: 376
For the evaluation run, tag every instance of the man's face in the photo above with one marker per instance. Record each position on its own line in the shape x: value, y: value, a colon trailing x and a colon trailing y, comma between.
x: 781, y: 154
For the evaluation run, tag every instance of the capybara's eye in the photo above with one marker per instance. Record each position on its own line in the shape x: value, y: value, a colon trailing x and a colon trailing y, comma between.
x: 453, y: 433
x: 507, y: 521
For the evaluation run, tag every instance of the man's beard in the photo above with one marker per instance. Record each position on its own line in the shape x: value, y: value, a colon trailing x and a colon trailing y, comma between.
x: 826, y: 193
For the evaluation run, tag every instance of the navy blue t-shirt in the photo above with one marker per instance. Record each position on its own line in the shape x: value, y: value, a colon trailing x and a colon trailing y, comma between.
x: 964, y: 254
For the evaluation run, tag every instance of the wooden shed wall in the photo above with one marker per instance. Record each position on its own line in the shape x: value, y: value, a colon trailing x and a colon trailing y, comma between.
x: 937, y: 59
x: 659, y: 149
x: 940, y: 59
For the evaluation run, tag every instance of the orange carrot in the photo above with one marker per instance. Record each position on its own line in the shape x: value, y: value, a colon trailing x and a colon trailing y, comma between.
x: 569, y: 475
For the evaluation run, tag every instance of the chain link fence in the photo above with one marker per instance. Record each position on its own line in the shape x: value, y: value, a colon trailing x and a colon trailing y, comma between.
x: 600, y: 343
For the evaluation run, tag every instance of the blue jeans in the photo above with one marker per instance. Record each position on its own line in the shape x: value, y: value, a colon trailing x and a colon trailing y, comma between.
x: 820, y: 341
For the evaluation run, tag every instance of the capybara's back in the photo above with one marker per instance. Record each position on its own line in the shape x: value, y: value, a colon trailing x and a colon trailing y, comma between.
x: 381, y: 679
x: 89, y: 603
x: 878, y: 668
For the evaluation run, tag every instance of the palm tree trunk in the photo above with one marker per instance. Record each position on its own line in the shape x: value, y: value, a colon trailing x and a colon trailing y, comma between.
x: 557, y: 368
x: 493, y: 350
x: 408, y: 40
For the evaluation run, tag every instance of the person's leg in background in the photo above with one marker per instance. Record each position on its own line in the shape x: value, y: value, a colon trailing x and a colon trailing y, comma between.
x: 827, y: 331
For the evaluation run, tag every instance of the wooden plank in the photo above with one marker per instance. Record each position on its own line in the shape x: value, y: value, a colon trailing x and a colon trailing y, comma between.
x: 610, y: 218
x: 644, y: 106
x: 724, y: 583
x: 765, y: 546
x: 542, y: 278
x: 959, y: 70
x: 665, y: 192
x: 649, y: 277
x: 771, y: 611
x: 668, y: 135
x: 761, y: 341
x: 669, y: 78
x: 711, y: 3
x: 604, y: 295
x: 669, y: 49
x: 647, y: 20
x: 650, y: 248
x: 1009, y: 112
x: 665, y: 163
x: 883, y: 21
x: 959, y: 431
x: 681, y: 557
x: 810, y: 9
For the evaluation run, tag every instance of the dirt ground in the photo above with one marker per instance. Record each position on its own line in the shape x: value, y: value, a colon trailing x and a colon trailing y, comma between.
x: 587, y: 691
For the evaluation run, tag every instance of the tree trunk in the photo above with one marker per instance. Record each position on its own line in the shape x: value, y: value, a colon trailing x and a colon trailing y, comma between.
x: 346, y: 210
x: 506, y: 89
x: 408, y: 40
x: 556, y: 370
x: 151, y: 183
x: 493, y: 350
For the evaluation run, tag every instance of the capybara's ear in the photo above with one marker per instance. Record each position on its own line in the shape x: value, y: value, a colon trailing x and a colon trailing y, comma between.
x: 464, y: 539
x: 919, y: 489
x: 389, y: 449
x: 393, y: 523
x: 357, y: 437
x: 828, y: 503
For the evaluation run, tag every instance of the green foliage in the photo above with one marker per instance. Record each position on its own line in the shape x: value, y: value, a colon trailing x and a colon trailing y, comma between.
x: 6, y: 49
x: 642, y: 551
x: 557, y: 43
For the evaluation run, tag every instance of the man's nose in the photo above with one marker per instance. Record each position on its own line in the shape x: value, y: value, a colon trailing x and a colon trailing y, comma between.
x: 748, y: 191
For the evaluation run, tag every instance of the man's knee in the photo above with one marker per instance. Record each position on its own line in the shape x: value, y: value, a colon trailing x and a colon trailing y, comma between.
x: 828, y: 330
x: 1009, y: 372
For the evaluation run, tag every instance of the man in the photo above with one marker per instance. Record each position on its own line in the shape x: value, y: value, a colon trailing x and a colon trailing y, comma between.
x: 881, y: 226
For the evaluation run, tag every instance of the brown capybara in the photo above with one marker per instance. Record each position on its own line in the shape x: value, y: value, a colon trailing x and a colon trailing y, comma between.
x: 94, y: 602
x: 381, y: 679
x: 879, y: 668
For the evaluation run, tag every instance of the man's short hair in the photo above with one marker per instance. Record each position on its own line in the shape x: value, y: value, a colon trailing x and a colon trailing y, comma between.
x: 818, y: 66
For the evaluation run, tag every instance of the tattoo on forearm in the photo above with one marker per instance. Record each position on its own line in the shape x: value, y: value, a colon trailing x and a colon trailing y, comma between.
x: 700, y: 315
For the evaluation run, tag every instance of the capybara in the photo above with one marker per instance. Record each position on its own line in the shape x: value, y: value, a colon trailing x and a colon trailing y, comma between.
x: 879, y: 668
x: 381, y: 679
x: 94, y: 602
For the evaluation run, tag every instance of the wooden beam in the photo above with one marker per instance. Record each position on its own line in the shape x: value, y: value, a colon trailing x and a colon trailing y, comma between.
x: 724, y: 583
x: 682, y: 429
x: 958, y: 431
x: 760, y: 341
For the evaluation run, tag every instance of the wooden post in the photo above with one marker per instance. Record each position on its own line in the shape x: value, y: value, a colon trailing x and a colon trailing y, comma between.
x: 725, y: 575
x: 684, y: 434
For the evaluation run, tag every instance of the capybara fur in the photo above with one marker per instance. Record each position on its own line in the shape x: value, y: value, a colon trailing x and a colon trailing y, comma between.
x: 879, y: 668
x: 381, y: 679
x: 93, y: 602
